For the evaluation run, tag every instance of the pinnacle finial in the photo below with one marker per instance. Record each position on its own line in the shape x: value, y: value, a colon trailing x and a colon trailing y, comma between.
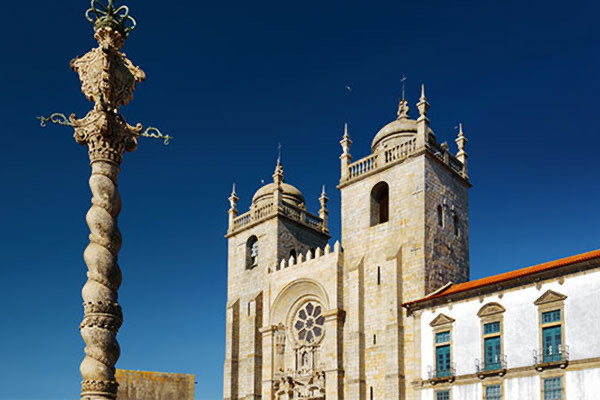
x: 278, y: 174
x: 346, y: 130
x: 109, y: 16
x: 233, y: 190
x: 323, y: 191
x: 460, y: 130
x: 423, y: 105
x: 403, y: 80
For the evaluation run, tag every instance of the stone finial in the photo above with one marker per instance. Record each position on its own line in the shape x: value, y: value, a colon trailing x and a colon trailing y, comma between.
x: 461, y: 141
x: 346, y: 142
x: 278, y: 174
x: 323, y: 212
x: 233, y: 212
x: 278, y: 180
x: 403, y: 109
x: 233, y: 199
x: 423, y: 105
x: 422, y: 121
x: 345, y: 158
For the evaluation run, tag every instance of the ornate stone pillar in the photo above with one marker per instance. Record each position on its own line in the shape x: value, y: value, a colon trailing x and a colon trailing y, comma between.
x: 108, y: 79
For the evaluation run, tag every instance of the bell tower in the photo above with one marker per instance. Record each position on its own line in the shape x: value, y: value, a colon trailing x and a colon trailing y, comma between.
x: 277, y: 230
x: 405, y: 233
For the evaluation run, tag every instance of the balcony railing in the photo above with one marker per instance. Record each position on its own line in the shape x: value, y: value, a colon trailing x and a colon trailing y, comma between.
x: 497, y: 366
x: 436, y: 375
x: 549, y: 357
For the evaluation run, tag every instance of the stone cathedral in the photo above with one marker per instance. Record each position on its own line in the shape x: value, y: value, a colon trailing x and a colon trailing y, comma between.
x: 375, y: 316
x: 309, y: 321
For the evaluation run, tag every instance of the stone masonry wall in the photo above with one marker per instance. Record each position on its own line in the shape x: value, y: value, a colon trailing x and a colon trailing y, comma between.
x: 373, y: 330
x: 447, y: 253
x: 246, y: 295
x: 144, y: 385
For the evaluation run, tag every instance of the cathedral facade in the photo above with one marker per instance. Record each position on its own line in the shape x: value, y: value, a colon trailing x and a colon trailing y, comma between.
x: 358, y: 319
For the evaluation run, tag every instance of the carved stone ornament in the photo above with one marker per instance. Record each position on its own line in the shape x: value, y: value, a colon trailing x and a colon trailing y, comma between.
x: 549, y: 297
x: 441, y: 320
x: 106, y: 134
x: 490, y: 309
x: 106, y: 75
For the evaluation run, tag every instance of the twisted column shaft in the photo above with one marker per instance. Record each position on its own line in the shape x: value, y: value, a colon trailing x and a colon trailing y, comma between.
x: 103, y: 315
x: 108, y: 79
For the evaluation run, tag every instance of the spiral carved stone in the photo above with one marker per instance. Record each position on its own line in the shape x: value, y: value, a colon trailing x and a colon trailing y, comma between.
x: 103, y: 316
x: 108, y: 79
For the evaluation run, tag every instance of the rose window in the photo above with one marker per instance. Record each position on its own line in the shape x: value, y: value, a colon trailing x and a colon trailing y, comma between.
x: 308, y: 324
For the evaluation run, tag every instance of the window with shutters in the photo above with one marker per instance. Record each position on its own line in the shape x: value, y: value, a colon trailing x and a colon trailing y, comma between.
x: 442, y: 354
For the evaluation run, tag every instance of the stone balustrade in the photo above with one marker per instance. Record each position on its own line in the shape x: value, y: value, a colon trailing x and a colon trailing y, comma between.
x: 397, y: 153
x: 269, y: 209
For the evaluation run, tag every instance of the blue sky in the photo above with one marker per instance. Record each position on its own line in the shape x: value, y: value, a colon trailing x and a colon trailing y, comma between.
x: 229, y: 81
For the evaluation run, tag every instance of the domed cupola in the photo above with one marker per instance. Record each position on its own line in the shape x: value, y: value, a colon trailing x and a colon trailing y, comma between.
x: 289, y: 193
x: 396, y: 131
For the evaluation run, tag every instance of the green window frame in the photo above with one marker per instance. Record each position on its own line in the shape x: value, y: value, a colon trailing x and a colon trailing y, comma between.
x: 492, y: 327
x: 551, y: 316
x: 493, y: 392
x: 553, y: 388
x: 442, y: 395
x: 442, y: 364
x: 493, y: 357
x: 552, y: 342
x: 442, y: 337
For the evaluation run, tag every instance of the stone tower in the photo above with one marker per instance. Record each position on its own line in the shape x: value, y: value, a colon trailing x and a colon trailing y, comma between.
x: 309, y: 322
x: 276, y: 232
x: 405, y: 234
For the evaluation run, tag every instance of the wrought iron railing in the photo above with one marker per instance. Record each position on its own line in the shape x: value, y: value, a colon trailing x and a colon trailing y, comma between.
x: 441, y: 373
x: 550, y: 354
x: 499, y: 362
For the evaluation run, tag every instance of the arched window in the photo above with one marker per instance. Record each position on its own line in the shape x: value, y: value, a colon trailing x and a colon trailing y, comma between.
x: 380, y: 203
x: 456, y: 225
x: 252, y: 252
x: 440, y: 215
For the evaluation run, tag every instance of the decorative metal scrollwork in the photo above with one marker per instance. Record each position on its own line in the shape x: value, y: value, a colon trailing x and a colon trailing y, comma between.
x: 61, y: 119
x: 55, y: 118
x: 153, y: 132
x: 110, y: 16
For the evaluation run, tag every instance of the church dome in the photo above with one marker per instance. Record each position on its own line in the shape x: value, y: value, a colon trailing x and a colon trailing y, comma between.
x: 290, y: 194
x: 398, y: 129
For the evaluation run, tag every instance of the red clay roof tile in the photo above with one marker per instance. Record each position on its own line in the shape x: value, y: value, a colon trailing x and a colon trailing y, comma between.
x: 506, y: 276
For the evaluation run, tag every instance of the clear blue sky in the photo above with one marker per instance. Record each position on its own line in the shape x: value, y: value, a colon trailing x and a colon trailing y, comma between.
x: 229, y: 80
